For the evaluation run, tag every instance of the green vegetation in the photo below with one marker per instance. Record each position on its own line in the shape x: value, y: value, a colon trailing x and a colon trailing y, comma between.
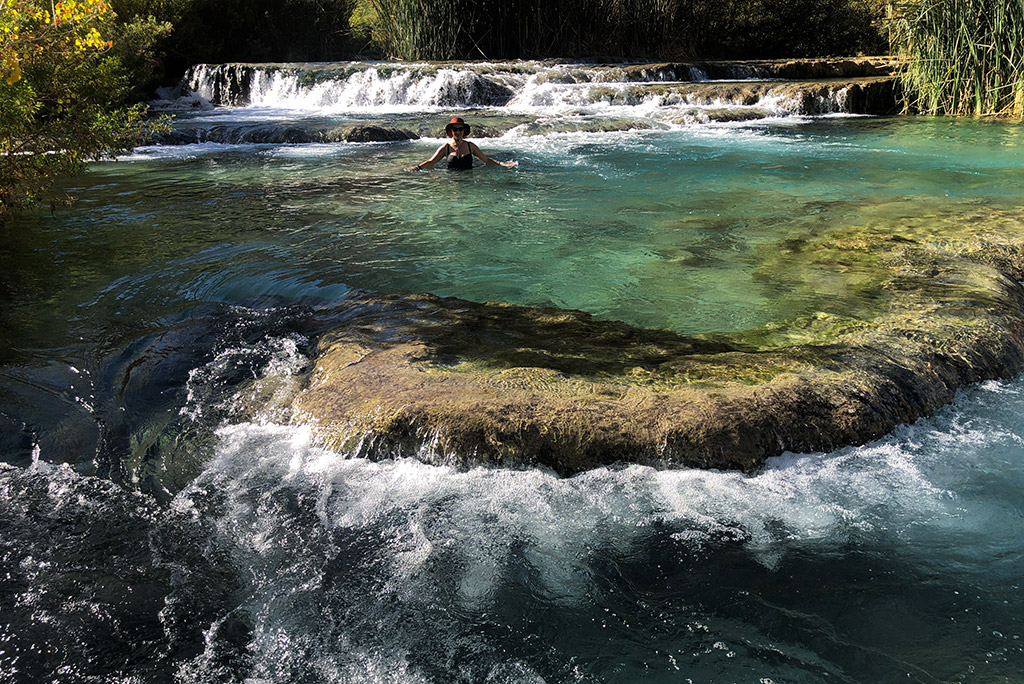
x: 766, y: 29
x: 663, y: 29
x: 66, y: 83
x: 216, y: 31
x: 73, y: 72
x: 963, y: 57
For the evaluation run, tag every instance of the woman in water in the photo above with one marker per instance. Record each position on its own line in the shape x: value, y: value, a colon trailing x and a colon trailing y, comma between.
x: 464, y: 151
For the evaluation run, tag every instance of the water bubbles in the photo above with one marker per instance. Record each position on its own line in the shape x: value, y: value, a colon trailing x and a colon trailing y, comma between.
x: 261, y: 379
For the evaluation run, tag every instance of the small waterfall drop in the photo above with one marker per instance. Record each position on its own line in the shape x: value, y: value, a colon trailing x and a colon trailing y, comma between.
x: 520, y: 87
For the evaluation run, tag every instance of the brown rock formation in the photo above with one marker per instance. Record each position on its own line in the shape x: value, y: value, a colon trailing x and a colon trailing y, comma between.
x: 447, y: 379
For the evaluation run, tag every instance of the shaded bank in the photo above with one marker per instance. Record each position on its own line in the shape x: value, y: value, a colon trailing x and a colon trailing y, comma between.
x: 939, y: 306
x: 631, y: 29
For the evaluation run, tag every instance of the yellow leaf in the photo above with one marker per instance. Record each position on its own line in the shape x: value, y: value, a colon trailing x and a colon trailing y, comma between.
x: 15, y: 74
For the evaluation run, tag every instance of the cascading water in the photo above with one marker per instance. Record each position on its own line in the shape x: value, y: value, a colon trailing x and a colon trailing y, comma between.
x: 165, y: 520
x: 356, y: 85
x: 515, y: 87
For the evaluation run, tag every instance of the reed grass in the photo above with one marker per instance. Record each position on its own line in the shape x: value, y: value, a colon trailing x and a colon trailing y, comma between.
x: 461, y: 29
x: 661, y: 29
x: 961, y: 57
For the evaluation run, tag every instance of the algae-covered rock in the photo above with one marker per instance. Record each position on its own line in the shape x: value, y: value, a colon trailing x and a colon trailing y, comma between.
x: 280, y: 133
x: 367, y: 134
x: 451, y: 380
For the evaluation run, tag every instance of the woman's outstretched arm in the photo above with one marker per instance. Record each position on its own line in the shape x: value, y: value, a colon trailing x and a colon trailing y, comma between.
x: 441, y: 153
x: 487, y: 160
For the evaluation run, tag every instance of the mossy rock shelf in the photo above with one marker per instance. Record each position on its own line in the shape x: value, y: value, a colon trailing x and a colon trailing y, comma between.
x: 449, y: 380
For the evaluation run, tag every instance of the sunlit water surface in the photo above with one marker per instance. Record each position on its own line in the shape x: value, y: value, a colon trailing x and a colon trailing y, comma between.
x: 151, y: 534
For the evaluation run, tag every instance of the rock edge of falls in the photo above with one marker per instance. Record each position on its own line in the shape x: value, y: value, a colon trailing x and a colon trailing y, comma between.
x: 448, y: 380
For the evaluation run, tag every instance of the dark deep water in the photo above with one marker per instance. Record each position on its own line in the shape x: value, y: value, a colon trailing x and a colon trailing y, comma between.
x: 162, y: 521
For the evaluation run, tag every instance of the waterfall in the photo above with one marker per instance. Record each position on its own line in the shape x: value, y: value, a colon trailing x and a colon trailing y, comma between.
x: 518, y: 87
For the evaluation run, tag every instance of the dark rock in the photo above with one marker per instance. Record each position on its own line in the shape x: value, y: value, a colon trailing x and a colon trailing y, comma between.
x: 175, y: 137
x: 367, y: 134
x: 230, y: 83
x: 280, y: 134
x: 798, y: 69
x: 267, y: 134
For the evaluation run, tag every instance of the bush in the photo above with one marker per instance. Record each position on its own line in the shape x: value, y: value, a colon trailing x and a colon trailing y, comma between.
x: 765, y: 29
x: 214, y: 31
x: 62, y: 90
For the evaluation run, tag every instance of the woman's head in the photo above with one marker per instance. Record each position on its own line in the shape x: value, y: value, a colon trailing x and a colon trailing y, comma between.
x: 456, y: 125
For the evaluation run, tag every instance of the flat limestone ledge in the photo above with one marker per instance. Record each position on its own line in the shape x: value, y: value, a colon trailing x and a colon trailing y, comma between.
x: 863, y: 95
x: 800, y: 69
x: 449, y: 380
x: 282, y: 133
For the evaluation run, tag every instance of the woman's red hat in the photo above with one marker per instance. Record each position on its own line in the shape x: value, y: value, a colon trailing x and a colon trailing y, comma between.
x: 456, y: 121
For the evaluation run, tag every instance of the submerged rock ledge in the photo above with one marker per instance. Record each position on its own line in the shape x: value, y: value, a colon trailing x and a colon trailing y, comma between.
x: 940, y: 306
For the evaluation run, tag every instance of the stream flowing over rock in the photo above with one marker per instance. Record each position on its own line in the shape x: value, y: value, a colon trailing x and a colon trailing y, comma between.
x: 453, y: 380
x: 277, y: 407
x: 491, y: 84
x: 384, y: 102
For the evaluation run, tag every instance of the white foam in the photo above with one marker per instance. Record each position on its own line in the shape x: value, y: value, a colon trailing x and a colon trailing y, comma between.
x: 536, y: 88
x: 182, y: 152
x: 420, y: 540
x: 479, y: 515
x: 368, y: 91
x: 271, y: 387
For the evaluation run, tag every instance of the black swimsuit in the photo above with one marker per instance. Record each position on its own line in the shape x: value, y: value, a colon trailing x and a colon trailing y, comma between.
x: 463, y: 162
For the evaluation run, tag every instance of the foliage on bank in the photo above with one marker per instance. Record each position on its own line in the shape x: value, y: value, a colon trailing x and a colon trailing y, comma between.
x: 65, y: 88
x: 216, y: 31
x: 962, y: 58
x: 474, y: 29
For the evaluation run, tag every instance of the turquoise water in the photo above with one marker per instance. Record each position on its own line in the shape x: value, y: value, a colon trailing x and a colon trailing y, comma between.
x: 155, y: 531
x: 654, y: 228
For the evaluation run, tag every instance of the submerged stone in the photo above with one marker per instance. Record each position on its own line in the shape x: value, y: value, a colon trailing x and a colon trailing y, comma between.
x: 938, y: 305
x: 367, y: 134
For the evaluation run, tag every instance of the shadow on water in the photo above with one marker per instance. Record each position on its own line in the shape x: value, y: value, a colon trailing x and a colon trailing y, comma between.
x: 142, y: 415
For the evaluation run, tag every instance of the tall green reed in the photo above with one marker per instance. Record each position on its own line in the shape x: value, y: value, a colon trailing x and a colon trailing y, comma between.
x: 961, y: 57
x: 460, y: 29
x: 661, y: 29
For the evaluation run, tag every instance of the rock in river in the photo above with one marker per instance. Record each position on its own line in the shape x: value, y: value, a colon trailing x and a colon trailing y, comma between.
x: 449, y: 380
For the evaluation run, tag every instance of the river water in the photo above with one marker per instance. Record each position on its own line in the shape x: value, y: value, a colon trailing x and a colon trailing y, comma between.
x: 163, y: 520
